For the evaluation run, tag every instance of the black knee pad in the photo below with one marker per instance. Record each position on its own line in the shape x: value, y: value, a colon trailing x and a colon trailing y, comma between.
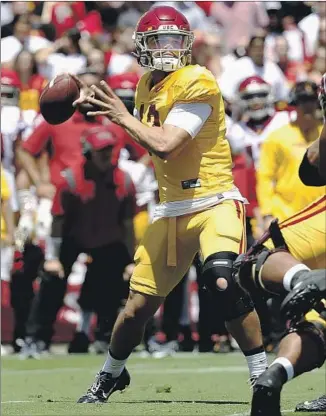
x: 317, y: 332
x: 233, y: 301
x: 248, y: 270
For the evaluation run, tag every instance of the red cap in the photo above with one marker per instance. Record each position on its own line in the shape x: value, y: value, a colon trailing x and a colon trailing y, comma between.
x: 98, y: 138
x: 126, y: 81
x: 10, y: 77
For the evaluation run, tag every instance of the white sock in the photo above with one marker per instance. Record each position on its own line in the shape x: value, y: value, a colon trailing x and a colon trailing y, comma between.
x: 289, y: 275
x: 113, y: 366
x: 257, y: 364
x: 84, y: 323
x: 286, y: 364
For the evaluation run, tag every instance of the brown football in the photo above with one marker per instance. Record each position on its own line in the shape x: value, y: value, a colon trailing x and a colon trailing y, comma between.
x: 57, y: 98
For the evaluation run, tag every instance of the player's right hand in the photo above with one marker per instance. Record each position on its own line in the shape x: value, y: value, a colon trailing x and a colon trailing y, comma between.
x: 85, y: 91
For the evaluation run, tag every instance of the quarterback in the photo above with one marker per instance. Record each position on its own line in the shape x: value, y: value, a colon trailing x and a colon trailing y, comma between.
x: 179, y: 118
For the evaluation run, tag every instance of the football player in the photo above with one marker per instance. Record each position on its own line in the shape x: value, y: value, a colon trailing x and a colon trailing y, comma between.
x: 278, y: 263
x: 179, y: 117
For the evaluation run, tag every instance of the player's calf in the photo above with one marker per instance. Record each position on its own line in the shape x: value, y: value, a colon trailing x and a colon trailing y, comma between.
x: 301, y: 350
x: 236, y: 307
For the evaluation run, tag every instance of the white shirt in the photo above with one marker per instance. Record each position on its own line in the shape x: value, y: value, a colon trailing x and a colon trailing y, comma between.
x: 245, y: 138
x: 119, y: 63
x: 310, y: 27
x: 11, y: 46
x: 57, y: 63
x: 244, y: 68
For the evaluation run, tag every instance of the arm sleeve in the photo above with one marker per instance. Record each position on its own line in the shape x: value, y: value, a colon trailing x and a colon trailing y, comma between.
x: 268, y: 163
x: 38, y: 138
x: 189, y: 117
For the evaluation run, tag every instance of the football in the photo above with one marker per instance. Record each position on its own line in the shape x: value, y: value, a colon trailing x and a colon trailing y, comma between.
x: 57, y: 98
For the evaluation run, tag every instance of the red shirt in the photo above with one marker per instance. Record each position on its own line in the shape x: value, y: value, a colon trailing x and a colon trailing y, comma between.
x: 245, y: 179
x: 65, y: 15
x: 98, y: 221
x: 66, y: 143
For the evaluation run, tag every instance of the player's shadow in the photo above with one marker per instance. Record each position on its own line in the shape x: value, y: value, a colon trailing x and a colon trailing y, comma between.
x: 184, y: 401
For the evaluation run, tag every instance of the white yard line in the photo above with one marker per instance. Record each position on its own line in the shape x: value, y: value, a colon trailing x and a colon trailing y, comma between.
x: 18, y: 401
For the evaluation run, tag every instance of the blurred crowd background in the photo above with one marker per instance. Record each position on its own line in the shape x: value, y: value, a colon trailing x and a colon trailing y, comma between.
x: 268, y: 58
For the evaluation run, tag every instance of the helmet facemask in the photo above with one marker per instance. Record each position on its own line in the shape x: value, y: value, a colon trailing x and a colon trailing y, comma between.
x: 164, y: 50
x: 9, y: 95
x: 257, y: 105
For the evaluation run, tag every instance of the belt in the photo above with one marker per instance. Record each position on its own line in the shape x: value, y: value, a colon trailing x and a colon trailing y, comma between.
x: 172, y: 242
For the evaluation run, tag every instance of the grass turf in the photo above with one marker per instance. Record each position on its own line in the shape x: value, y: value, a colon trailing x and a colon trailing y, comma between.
x: 187, y: 384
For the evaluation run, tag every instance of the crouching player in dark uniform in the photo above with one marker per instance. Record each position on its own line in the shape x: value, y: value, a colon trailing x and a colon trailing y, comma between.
x: 97, y: 222
x: 278, y: 263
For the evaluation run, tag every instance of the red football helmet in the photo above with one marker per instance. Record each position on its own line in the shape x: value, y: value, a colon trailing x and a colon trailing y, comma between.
x: 163, y: 39
x: 255, y: 98
x: 10, y: 87
x: 124, y: 85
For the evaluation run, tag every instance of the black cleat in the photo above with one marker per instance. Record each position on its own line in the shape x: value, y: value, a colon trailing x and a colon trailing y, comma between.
x: 104, y: 385
x: 317, y: 405
x: 265, y: 401
x: 267, y: 392
x: 305, y: 295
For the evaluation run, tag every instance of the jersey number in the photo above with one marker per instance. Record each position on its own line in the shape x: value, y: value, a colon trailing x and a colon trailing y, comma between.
x: 152, y: 114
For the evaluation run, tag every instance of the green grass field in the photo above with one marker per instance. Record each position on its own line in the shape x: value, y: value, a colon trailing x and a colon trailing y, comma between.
x: 186, y: 384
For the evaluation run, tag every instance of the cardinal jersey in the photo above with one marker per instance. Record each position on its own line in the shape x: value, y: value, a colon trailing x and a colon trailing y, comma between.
x: 203, y: 168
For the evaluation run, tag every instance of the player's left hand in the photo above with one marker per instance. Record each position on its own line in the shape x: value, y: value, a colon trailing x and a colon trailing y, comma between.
x: 110, y: 104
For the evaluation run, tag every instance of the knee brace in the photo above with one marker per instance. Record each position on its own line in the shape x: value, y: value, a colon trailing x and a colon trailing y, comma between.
x: 248, y: 270
x: 218, y: 277
x: 317, y: 331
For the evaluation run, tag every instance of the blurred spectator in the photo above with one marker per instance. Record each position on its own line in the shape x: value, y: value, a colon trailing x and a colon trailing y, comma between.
x: 100, y: 227
x: 310, y: 25
x: 208, y: 50
x: 64, y: 55
x: 32, y: 82
x: 280, y: 191
x: 238, y: 20
x: 7, y: 15
x: 193, y: 12
x: 12, y: 125
x: 259, y: 119
x: 120, y: 59
x: 7, y: 228
x: 255, y: 63
x: 319, y: 66
x: 64, y: 15
x: 21, y: 39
